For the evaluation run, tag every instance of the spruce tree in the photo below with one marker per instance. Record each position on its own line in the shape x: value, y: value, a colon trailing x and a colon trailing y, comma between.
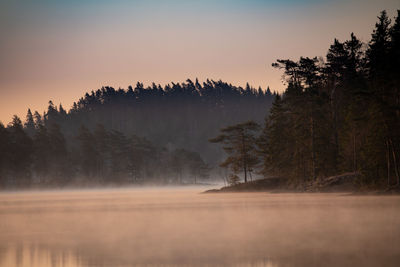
x: 29, y: 124
x: 21, y: 156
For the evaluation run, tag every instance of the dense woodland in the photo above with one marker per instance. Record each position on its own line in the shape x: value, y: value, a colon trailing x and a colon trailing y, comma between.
x: 138, y: 135
x: 337, y: 115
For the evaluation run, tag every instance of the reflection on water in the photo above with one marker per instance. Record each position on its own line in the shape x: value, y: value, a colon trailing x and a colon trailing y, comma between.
x: 180, y: 227
x: 25, y: 255
x: 29, y: 255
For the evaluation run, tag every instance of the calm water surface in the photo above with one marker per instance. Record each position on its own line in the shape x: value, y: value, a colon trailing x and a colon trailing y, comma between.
x: 181, y: 227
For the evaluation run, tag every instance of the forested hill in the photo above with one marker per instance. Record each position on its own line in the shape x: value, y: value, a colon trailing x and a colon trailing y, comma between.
x: 178, y: 115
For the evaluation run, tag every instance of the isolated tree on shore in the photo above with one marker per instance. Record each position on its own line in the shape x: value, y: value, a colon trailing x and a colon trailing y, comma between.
x: 239, y: 143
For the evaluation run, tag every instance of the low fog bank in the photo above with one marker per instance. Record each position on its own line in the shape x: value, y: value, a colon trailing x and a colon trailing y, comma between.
x: 215, y: 180
x: 181, y: 227
x: 110, y: 188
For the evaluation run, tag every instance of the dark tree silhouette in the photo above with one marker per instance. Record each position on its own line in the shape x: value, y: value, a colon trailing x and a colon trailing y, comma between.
x: 21, y: 149
x: 239, y: 143
x: 339, y: 116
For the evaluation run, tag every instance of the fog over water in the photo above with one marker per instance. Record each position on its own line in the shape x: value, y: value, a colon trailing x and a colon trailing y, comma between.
x: 182, y: 227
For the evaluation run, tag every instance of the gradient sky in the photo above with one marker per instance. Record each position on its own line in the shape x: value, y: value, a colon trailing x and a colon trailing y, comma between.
x: 59, y: 50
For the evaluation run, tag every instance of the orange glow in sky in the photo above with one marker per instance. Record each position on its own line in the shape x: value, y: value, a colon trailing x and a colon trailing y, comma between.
x: 55, y: 50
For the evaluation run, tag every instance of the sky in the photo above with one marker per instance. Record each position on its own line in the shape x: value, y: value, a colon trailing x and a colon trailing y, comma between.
x: 59, y: 50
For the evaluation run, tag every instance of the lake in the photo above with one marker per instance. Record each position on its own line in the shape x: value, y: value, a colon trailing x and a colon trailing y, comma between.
x: 182, y: 227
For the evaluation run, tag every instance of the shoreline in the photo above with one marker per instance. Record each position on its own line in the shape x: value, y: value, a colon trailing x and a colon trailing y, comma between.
x: 279, y: 185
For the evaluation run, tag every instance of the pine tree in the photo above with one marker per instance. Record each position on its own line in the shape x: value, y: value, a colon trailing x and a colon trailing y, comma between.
x: 38, y: 120
x: 51, y: 116
x: 273, y: 142
x: 239, y: 143
x: 393, y: 99
x: 383, y: 111
x: 21, y: 157
x: 29, y: 124
x: 5, y: 151
x: 377, y: 52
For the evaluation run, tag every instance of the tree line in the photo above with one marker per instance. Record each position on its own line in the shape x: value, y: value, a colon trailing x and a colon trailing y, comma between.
x: 338, y: 114
x: 153, y: 134
x: 177, y: 115
x: 36, y: 153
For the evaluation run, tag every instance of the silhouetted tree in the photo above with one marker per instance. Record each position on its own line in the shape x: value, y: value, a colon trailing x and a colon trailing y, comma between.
x: 338, y: 116
x: 239, y: 143
x: 21, y: 153
x: 42, y: 154
x: 29, y: 124
x: 5, y: 151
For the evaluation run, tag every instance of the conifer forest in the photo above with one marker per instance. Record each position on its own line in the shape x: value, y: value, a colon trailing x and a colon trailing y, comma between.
x: 339, y: 113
